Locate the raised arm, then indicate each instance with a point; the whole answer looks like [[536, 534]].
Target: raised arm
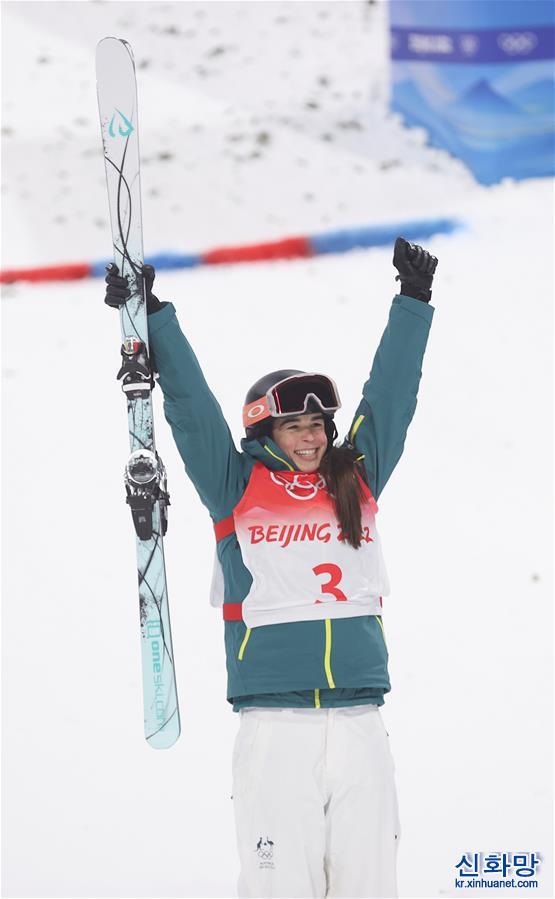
[[200, 430], [381, 421]]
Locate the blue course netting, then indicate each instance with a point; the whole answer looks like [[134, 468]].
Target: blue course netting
[[379, 235]]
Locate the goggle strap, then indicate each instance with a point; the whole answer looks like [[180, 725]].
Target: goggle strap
[[256, 412]]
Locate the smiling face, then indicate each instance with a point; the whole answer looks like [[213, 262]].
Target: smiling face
[[303, 438]]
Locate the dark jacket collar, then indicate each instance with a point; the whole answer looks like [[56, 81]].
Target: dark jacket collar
[[267, 452]]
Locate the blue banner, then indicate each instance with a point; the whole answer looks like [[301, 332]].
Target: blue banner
[[478, 75], [485, 45]]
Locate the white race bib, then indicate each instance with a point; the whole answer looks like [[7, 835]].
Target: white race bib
[[291, 542]]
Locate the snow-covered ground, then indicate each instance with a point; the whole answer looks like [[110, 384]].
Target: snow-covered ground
[[260, 120]]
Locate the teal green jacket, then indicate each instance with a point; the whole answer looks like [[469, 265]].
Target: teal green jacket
[[304, 663]]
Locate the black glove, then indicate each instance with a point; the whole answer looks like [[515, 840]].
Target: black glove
[[117, 292], [416, 269]]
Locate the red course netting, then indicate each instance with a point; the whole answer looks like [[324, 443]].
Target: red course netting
[[69, 272], [288, 248]]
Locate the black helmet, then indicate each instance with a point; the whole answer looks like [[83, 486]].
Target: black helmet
[[302, 391]]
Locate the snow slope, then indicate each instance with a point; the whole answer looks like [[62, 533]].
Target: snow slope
[[260, 120]]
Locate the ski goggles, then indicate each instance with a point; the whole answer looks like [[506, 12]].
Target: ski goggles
[[292, 396]]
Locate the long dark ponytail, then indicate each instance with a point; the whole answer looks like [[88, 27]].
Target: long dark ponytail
[[342, 474]]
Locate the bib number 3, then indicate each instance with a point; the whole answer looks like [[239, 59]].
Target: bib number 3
[[331, 586]]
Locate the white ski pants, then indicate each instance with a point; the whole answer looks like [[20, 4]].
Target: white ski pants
[[315, 804]]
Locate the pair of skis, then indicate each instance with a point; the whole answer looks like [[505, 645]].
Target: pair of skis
[[145, 477]]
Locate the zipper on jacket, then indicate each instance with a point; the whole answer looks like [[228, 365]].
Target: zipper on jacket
[[268, 450], [244, 644], [327, 654]]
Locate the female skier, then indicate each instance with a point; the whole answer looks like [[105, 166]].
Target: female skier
[[301, 576]]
